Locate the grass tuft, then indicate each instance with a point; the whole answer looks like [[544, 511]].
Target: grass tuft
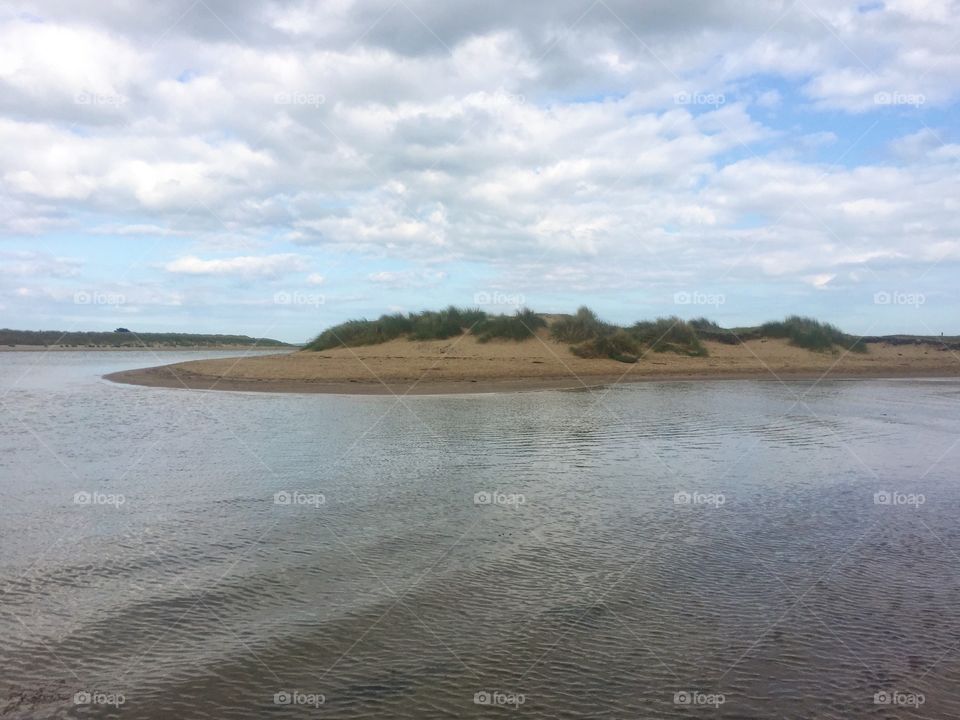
[[618, 345], [811, 334], [509, 327], [669, 335], [580, 327]]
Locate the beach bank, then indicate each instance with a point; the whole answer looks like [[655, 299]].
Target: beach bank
[[465, 365]]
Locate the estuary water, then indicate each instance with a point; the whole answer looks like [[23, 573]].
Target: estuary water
[[737, 549]]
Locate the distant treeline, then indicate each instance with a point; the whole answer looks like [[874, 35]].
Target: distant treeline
[[126, 338], [587, 335]]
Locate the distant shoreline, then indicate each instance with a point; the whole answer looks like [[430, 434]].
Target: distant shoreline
[[135, 348], [126, 339], [464, 365]]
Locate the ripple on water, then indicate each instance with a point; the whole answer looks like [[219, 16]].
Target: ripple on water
[[400, 596]]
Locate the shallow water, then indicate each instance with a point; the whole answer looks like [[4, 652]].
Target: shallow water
[[776, 586]]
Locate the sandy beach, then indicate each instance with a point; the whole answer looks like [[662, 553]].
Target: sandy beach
[[464, 365]]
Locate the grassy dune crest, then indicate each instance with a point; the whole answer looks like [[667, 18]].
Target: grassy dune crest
[[430, 325], [509, 327], [587, 335], [799, 331]]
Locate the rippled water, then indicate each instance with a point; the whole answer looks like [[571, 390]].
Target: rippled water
[[774, 582]]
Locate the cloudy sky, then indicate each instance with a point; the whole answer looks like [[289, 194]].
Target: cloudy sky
[[272, 167]]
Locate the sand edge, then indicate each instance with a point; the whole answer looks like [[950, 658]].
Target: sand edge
[[163, 376]]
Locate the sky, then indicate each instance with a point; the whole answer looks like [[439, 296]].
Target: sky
[[271, 168]]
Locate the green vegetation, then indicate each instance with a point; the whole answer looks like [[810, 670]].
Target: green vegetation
[[427, 325], [578, 328], [430, 325], [354, 333], [587, 335], [592, 338], [799, 331], [811, 334], [445, 324], [128, 339], [617, 345], [669, 335], [509, 327]]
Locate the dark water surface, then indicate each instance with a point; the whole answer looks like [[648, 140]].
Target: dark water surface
[[441, 556]]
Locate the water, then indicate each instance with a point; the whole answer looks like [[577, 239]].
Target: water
[[587, 587]]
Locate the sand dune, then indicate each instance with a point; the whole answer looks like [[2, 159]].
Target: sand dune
[[464, 365]]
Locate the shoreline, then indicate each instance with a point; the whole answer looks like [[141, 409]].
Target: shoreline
[[465, 365], [163, 377]]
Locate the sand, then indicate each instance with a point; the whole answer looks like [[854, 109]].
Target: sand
[[463, 365]]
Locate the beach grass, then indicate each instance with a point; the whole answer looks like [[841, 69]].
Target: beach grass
[[520, 326], [670, 334], [591, 337], [811, 334], [587, 335], [430, 325], [584, 325]]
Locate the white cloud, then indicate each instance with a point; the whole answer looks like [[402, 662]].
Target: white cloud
[[818, 139], [820, 281], [769, 99], [408, 278], [143, 229], [243, 266], [28, 263], [497, 134]]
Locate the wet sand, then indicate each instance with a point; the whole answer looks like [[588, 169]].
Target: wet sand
[[463, 365]]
